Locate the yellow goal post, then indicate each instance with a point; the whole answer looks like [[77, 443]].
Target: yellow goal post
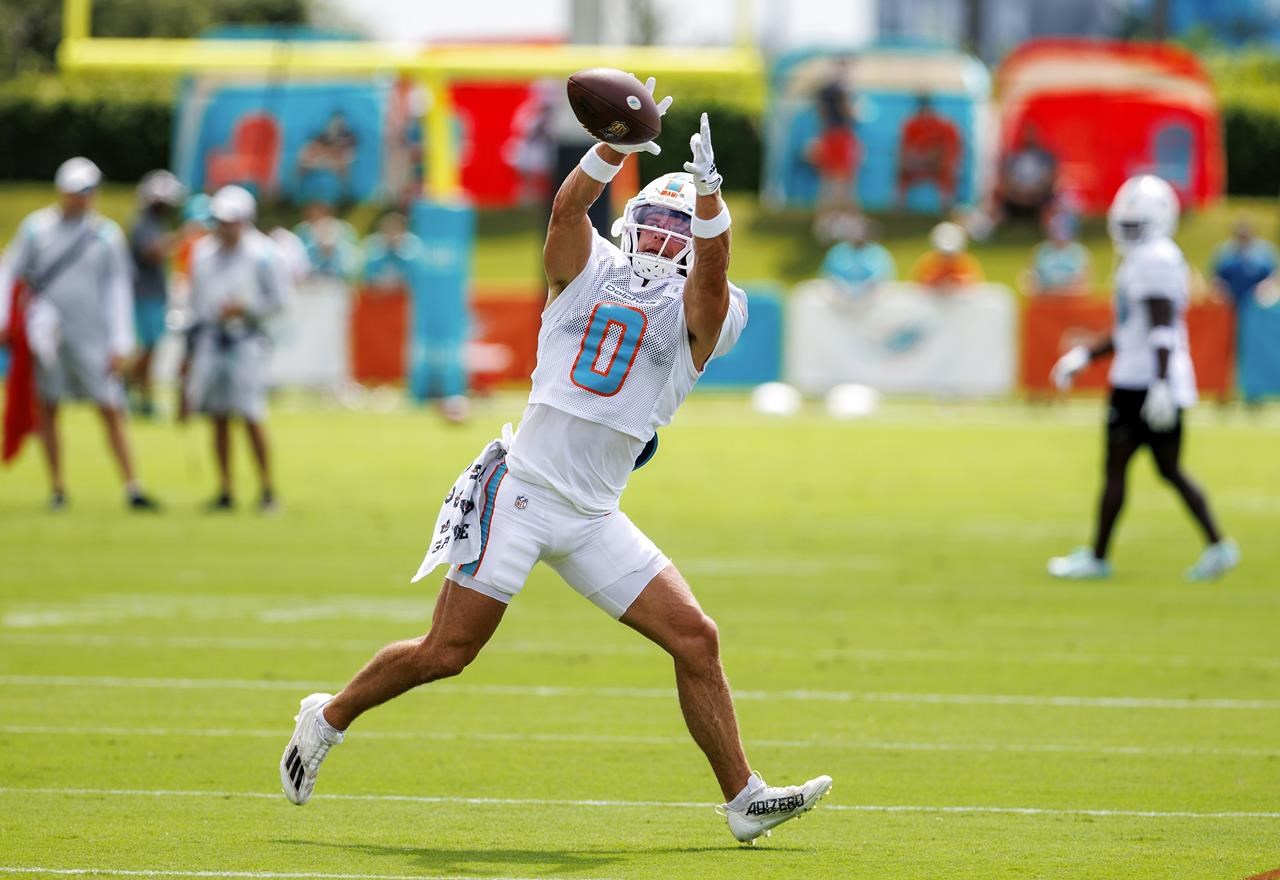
[[738, 71]]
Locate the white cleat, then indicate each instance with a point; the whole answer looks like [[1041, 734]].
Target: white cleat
[[306, 750], [1079, 565], [769, 806], [1216, 560]]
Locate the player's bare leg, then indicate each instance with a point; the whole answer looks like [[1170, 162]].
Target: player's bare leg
[[262, 457], [461, 624], [667, 613], [50, 442], [113, 421], [222, 453]]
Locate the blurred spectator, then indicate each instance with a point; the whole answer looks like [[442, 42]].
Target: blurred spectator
[[324, 162], [151, 243], [331, 243], [530, 151], [929, 151], [294, 258], [1028, 179], [1060, 265], [196, 223], [1243, 268], [237, 284], [1242, 263], [948, 265], [835, 153], [856, 263], [76, 318], [393, 255]]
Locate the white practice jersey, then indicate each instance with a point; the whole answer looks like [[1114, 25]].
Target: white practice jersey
[[614, 364], [1151, 270], [91, 287], [251, 275]]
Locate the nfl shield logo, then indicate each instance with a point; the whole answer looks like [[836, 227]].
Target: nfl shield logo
[[521, 502]]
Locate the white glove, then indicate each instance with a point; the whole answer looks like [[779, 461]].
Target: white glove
[[647, 146], [706, 179], [1159, 410], [1064, 371]]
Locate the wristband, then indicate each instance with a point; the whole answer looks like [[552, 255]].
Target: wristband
[[1163, 336], [596, 168], [717, 225]]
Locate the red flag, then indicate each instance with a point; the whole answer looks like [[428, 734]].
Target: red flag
[[20, 412]]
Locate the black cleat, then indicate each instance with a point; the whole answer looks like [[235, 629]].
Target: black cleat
[[221, 504], [143, 503]]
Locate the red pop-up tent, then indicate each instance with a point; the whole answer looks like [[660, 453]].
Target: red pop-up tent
[[1108, 110]]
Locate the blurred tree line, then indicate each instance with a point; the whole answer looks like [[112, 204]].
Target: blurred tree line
[[31, 29]]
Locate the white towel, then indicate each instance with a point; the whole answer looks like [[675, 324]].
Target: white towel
[[456, 538], [44, 330]]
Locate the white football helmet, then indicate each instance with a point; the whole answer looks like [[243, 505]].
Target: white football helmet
[[1145, 208], [664, 207]]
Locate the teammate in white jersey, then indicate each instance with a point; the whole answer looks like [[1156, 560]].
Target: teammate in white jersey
[[625, 334], [79, 316], [1152, 379]]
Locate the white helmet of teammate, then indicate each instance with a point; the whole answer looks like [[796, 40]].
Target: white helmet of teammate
[[665, 208], [1145, 208]]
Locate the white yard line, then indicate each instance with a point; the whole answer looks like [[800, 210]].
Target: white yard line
[[1179, 751], [667, 805], [804, 696], [876, 655]]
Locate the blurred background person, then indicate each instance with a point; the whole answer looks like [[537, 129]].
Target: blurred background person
[[949, 265], [1027, 181], [393, 255], [835, 153], [1059, 265], [152, 242], [856, 263], [237, 284], [331, 242], [929, 151], [79, 317], [1241, 265]]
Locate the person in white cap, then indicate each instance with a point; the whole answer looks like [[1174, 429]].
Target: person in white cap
[[237, 283], [1152, 378], [151, 241], [75, 265]]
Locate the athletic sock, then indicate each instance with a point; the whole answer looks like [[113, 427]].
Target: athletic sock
[[754, 784], [328, 732]]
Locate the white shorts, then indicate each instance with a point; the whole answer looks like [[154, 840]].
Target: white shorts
[[602, 556]]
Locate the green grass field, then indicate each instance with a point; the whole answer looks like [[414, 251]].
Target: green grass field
[[884, 615]]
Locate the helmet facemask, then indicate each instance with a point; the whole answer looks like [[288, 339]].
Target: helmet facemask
[[659, 219]]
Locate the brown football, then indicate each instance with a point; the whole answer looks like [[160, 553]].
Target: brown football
[[613, 106]]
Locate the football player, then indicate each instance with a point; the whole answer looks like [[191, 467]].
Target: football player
[[1152, 379], [626, 332]]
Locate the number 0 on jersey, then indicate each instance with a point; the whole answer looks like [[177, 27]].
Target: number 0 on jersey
[[609, 348]]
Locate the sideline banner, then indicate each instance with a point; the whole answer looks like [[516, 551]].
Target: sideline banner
[[309, 341], [902, 338], [1053, 324]]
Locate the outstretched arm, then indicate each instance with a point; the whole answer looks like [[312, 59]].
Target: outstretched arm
[[568, 245], [706, 294], [569, 233]]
